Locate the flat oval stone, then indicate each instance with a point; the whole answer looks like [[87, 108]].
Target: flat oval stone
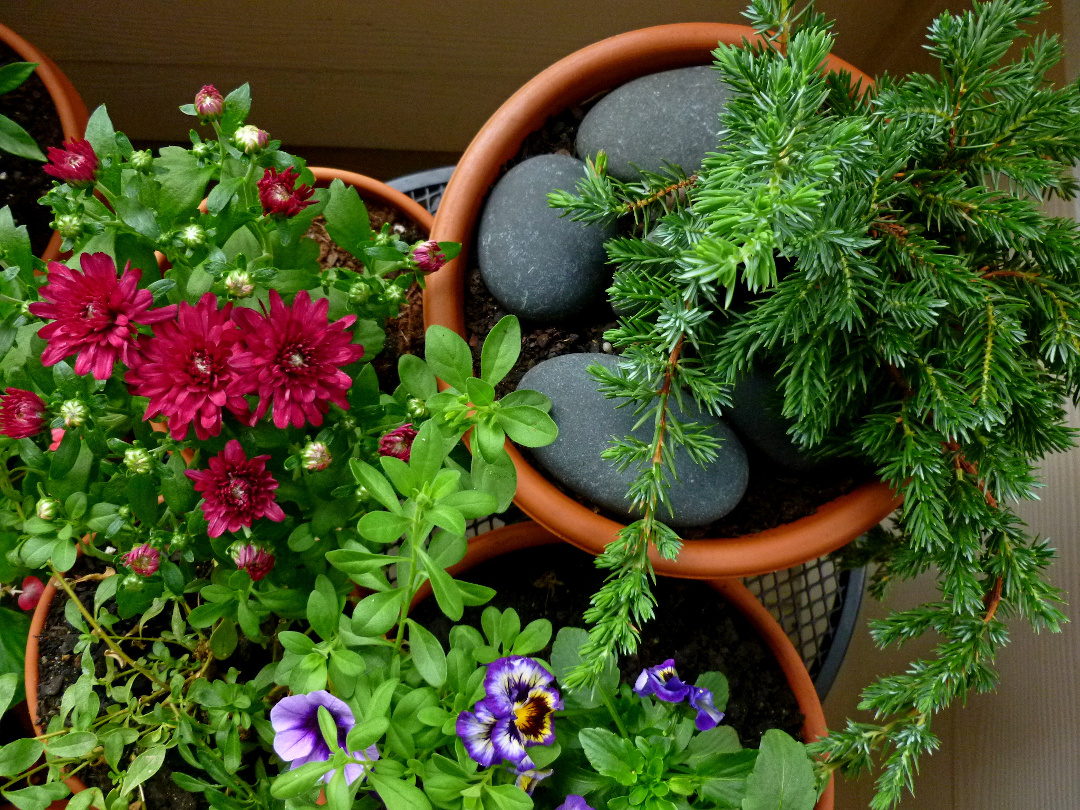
[[756, 413], [587, 422], [537, 264], [671, 116]]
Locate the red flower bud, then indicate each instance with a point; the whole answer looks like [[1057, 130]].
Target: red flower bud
[[398, 442], [209, 103], [32, 588], [22, 413], [428, 257], [75, 164]]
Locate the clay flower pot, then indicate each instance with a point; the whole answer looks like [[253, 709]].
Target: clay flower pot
[[371, 190], [525, 535], [69, 105], [597, 68]]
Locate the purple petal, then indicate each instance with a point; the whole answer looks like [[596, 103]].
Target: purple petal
[[294, 743], [663, 682], [707, 714], [507, 741], [475, 731], [509, 680], [574, 802]]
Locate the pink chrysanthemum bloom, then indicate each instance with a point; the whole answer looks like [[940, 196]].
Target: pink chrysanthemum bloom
[[22, 413], [237, 490], [75, 164], [186, 371], [94, 314], [294, 357], [254, 559], [398, 442], [279, 195], [143, 560], [428, 257], [209, 103]]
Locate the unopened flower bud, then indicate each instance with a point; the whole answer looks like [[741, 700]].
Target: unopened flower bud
[[251, 139], [238, 284], [359, 292], [132, 582], [192, 235], [74, 413], [428, 257], [415, 408], [362, 493], [398, 442], [47, 508], [315, 456], [394, 294], [32, 588], [69, 226], [143, 559], [138, 461], [256, 560], [203, 150], [124, 512], [209, 104], [141, 160]]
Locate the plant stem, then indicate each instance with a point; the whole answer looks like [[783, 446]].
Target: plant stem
[[604, 696], [100, 632]]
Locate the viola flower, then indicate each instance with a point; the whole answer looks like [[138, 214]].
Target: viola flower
[[428, 257], [529, 778], [476, 729], [32, 588], [186, 370], [143, 559], [94, 314], [209, 104], [254, 559], [574, 802], [279, 195], [75, 164], [663, 682], [298, 738], [398, 442], [293, 359], [236, 490], [518, 694], [22, 413], [707, 714]]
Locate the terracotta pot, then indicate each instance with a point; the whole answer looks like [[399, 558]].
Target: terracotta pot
[[580, 76], [518, 536], [69, 104], [372, 190]]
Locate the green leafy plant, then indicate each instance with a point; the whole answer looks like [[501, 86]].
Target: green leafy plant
[[13, 138], [882, 250]]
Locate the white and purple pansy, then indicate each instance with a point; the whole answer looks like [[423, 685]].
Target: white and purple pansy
[[662, 682], [298, 739], [529, 778], [516, 712]]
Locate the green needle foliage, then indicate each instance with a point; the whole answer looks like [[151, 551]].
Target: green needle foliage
[[882, 249]]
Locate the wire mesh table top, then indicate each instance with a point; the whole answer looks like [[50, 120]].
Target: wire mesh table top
[[816, 603]]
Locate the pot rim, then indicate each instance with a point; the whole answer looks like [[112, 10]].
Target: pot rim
[[70, 107], [574, 79], [529, 534], [376, 188]]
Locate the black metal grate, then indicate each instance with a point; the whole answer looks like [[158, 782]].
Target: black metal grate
[[816, 603]]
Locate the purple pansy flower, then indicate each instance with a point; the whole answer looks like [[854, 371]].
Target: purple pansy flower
[[707, 714], [298, 739], [515, 713], [663, 682], [574, 802], [529, 778], [475, 729]]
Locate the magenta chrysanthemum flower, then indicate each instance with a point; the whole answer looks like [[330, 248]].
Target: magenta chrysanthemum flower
[[398, 442], [22, 413], [143, 559], [75, 164], [428, 257], [254, 559], [186, 370], [237, 490], [209, 103], [279, 195], [94, 314], [294, 357]]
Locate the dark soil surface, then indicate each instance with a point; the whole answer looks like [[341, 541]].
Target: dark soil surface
[[22, 181], [774, 496], [404, 334], [693, 625], [60, 667]]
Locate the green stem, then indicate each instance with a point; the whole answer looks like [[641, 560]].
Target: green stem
[[604, 696], [410, 586], [100, 632]]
